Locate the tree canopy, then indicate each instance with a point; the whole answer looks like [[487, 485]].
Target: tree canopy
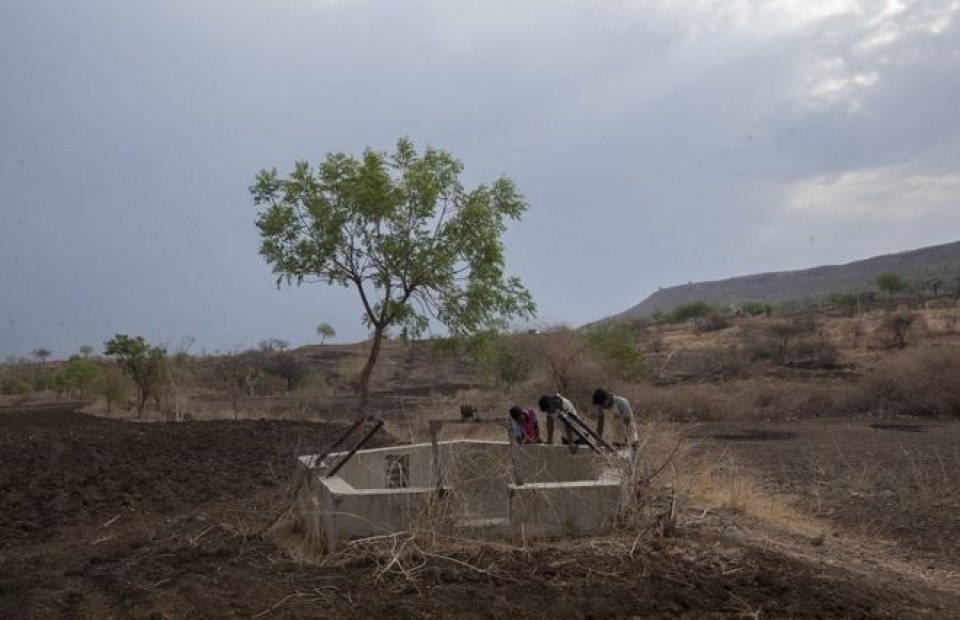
[[891, 283], [141, 362], [403, 232]]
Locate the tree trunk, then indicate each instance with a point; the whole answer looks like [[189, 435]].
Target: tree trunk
[[368, 367], [141, 403]]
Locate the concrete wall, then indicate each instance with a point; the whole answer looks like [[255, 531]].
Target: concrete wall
[[553, 509], [563, 493], [340, 512]]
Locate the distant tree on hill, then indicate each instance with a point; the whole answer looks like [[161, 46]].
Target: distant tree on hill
[[897, 325], [273, 344], [139, 361], [891, 283], [400, 229], [502, 358], [934, 284], [756, 308], [692, 310], [86, 350], [325, 330], [41, 354], [845, 303], [615, 346], [288, 367]]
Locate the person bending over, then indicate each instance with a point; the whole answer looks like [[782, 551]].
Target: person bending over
[[603, 400], [552, 404], [526, 427]]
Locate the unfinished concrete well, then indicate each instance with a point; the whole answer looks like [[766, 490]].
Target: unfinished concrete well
[[490, 488]]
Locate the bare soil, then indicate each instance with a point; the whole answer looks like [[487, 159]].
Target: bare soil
[[107, 518]]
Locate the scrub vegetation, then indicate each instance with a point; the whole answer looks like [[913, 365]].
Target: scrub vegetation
[[796, 462]]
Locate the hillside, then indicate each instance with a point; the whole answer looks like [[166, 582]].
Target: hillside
[[939, 260]]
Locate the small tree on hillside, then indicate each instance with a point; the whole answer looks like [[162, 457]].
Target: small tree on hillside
[[845, 303], [325, 330], [615, 346], [692, 310], [80, 375], [891, 283], [502, 358], [139, 361], [288, 367], [86, 350], [41, 354], [403, 232], [896, 326]]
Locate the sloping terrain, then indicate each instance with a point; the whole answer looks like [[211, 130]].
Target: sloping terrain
[[940, 260]]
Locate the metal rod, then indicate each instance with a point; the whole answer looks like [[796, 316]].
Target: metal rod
[[338, 441], [376, 427]]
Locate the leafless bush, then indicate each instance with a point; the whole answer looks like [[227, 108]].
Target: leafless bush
[[700, 365], [895, 328], [915, 382], [710, 323], [563, 362], [753, 400]]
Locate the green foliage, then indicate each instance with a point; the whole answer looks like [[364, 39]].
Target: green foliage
[[403, 232], [845, 303], [500, 358], [80, 374], [756, 308], [112, 386], [86, 350], [614, 344], [891, 283], [842, 300], [325, 330], [692, 310], [139, 361]]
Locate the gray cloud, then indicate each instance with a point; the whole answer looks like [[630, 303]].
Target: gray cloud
[[657, 143]]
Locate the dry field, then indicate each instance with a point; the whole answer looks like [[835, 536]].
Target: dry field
[[800, 491]]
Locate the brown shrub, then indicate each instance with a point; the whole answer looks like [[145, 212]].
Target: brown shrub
[[921, 381], [753, 400]]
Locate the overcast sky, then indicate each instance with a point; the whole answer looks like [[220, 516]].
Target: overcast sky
[[657, 141]]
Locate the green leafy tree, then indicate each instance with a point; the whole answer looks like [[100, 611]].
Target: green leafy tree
[[501, 358], [403, 232], [141, 362], [891, 283], [615, 346], [692, 310], [846, 303], [325, 330], [80, 375], [113, 386], [756, 308], [86, 350]]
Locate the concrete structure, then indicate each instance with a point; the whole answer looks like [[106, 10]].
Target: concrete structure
[[487, 487]]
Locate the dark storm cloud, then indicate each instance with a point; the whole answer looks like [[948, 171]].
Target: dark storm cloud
[[657, 142]]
